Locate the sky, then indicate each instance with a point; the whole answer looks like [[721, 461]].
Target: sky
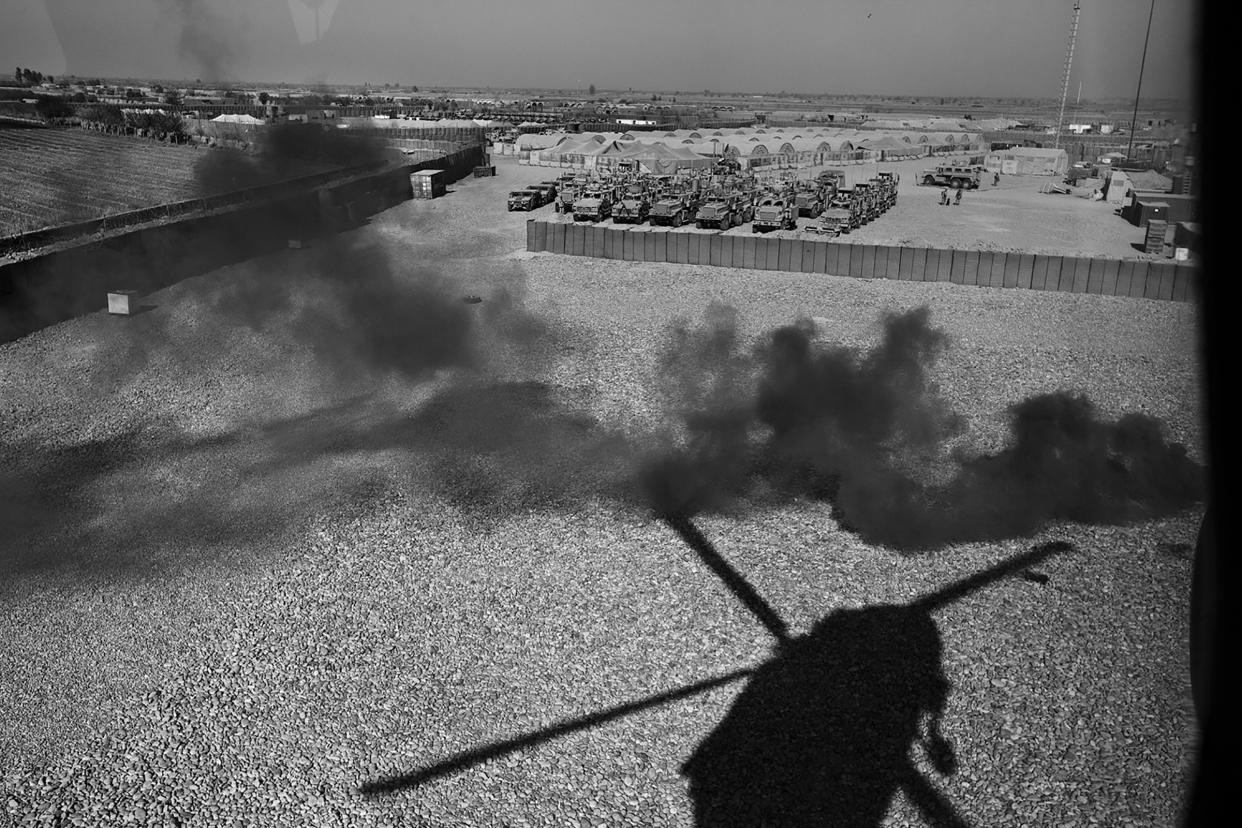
[[951, 48]]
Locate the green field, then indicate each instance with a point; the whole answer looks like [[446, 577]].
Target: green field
[[52, 177]]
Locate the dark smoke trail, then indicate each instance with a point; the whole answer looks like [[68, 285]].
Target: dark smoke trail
[[206, 37], [867, 432]]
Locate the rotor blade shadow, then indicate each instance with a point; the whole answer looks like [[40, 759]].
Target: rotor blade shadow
[[471, 758], [738, 585], [937, 811], [960, 589]]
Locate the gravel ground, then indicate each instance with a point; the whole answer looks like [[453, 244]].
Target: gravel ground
[[1013, 216], [326, 620]]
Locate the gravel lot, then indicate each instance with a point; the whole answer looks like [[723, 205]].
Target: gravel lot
[[235, 596], [1011, 216]]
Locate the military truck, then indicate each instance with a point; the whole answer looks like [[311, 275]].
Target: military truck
[[847, 201], [673, 210], [833, 222], [809, 201], [722, 211], [594, 204], [774, 213], [548, 189], [949, 175], [633, 206], [528, 199]]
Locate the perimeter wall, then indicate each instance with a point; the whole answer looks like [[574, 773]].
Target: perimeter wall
[[1175, 281]]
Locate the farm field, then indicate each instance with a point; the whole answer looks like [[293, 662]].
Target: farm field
[[50, 177], [276, 541]]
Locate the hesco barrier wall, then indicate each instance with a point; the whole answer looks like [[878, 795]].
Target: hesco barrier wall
[[1071, 274]]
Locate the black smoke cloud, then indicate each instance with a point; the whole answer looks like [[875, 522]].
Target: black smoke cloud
[[867, 432], [208, 38], [317, 365], [287, 150]]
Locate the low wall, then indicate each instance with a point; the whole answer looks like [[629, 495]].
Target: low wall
[[63, 283], [1173, 281]]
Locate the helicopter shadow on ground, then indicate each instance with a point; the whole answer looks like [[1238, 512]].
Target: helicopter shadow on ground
[[825, 731], [822, 734]]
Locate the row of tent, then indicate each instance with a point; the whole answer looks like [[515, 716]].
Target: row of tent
[[772, 140], [749, 147]]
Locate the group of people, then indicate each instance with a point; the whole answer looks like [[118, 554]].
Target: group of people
[[957, 196]]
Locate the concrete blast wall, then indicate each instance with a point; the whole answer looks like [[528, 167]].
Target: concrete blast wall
[[1175, 281]]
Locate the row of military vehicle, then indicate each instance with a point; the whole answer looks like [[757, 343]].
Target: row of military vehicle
[[716, 202], [852, 207]]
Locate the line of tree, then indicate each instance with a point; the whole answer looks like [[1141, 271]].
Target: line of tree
[[29, 77], [155, 124]]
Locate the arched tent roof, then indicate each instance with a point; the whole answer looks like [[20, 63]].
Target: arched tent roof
[[670, 135], [695, 135]]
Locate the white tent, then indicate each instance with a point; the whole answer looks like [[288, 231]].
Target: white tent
[[237, 119]]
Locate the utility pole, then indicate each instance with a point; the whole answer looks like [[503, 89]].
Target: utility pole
[[1065, 76], [1133, 121]]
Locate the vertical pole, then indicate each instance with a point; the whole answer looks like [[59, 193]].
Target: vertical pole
[[1134, 120]]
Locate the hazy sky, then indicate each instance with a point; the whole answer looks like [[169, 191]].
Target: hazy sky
[[915, 47]]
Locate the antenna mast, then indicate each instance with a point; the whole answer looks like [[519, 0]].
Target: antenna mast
[[1065, 78]]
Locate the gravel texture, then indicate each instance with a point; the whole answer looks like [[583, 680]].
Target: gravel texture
[[325, 620]]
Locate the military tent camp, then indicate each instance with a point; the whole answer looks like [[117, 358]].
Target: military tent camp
[[1028, 161]]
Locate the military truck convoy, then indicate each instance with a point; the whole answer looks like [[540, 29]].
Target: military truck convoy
[[717, 199]]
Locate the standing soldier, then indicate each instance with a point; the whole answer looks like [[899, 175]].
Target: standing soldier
[[996, 179], [957, 197], [944, 196]]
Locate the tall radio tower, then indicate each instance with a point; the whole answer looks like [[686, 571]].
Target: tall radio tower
[[1065, 78]]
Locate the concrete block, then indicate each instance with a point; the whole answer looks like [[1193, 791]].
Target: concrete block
[[866, 265], [714, 250], [1081, 274], [784, 254], [807, 257], [557, 241], [627, 246], [892, 269], [905, 261], [1183, 283], [748, 252], [1138, 279], [122, 302], [1164, 274], [1026, 266], [856, 259], [1108, 277], [1095, 276], [773, 254], [819, 263], [1055, 268], [1125, 275], [1000, 261], [919, 265], [649, 247], [969, 273], [879, 264], [694, 252], [944, 266], [660, 254], [681, 246]]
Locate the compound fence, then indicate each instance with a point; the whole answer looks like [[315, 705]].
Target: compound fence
[[1175, 281]]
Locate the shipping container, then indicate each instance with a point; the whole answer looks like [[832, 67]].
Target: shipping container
[[428, 183]]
